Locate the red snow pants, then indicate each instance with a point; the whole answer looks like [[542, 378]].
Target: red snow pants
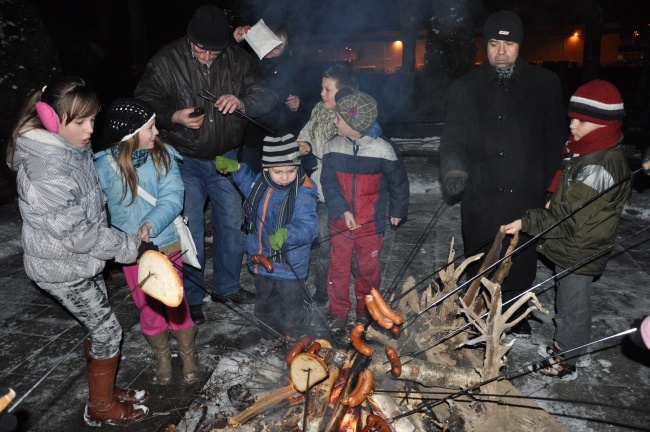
[[343, 248]]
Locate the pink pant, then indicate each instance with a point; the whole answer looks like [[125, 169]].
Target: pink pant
[[366, 249], [152, 311]]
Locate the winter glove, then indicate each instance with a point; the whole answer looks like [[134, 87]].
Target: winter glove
[[225, 165], [145, 246], [646, 161], [455, 186], [277, 240]]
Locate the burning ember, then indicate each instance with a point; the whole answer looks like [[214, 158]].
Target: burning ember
[[350, 421]]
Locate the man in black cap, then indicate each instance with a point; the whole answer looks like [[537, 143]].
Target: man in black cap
[[501, 145], [176, 80]]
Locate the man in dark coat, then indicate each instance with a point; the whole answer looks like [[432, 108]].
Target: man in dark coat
[[501, 144], [173, 84]]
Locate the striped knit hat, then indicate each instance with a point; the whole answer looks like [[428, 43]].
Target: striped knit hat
[[280, 151], [597, 102]]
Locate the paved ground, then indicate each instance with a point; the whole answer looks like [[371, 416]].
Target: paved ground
[[38, 336]]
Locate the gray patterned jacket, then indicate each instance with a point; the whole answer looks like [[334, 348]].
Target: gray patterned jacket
[[65, 234]]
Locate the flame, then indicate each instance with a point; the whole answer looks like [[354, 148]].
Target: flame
[[350, 420]]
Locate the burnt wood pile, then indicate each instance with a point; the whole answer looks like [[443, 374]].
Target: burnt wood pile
[[412, 367]]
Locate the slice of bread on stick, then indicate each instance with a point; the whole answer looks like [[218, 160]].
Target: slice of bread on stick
[[163, 284]]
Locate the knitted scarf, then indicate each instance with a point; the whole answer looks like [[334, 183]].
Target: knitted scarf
[[139, 156], [599, 139], [505, 73], [254, 198]]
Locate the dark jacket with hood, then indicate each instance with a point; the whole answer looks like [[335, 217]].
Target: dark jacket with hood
[[505, 136], [592, 228], [174, 80]]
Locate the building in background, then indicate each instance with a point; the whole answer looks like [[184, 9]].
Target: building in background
[[382, 51]]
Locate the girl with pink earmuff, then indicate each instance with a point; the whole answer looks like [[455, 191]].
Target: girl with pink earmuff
[[66, 238]]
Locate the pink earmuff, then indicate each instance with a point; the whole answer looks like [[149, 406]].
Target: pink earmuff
[[48, 117]]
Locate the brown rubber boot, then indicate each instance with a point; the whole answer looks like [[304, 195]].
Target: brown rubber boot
[[102, 406], [185, 339], [123, 395], [160, 345]]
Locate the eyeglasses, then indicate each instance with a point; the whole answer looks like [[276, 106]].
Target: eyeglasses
[[199, 52]]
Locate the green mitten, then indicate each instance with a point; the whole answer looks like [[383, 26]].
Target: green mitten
[[277, 240], [225, 165]]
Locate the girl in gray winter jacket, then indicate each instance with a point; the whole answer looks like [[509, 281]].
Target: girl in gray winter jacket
[[65, 235]]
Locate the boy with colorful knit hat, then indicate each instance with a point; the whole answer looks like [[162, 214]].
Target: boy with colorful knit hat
[[593, 161], [362, 177], [280, 218]]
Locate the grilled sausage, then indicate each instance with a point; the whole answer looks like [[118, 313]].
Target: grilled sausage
[[376, 314], [263, 261], [395, 362], [374, 422], [298, 348], [361, 391], [357, 343], [314, 348], [385, 309], [396, 331]]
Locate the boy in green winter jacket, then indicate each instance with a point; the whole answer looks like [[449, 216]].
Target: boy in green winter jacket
[[593, 161]]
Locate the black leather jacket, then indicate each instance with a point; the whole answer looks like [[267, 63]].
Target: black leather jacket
[[174, 80]]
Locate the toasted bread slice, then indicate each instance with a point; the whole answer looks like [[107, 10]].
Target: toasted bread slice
[[305, 366], [164, 283]]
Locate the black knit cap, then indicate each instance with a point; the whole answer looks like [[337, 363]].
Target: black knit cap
[[503, 25], [209, 29], [125, 118]]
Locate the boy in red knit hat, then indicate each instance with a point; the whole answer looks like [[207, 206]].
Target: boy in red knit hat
[[593, 161]]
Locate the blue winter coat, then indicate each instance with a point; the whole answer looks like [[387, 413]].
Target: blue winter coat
[[168, 192], [302, 229]]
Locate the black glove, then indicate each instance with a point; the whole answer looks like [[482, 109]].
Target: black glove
[[645, 160], [455, 186], [145, 246]]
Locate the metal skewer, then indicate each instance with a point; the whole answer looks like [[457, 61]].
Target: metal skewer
[[239, 113]]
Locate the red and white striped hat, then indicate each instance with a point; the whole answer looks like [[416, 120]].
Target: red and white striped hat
[[597, 102]]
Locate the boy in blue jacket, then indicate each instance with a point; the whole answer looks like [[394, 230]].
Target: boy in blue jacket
[[280, 217]]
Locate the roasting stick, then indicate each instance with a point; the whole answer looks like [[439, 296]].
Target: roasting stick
[[414, 317], [478, 396], [393, 284], [243, 311], [76, 346], [577, 265], [304, 414], [238, 112], [528, 367]]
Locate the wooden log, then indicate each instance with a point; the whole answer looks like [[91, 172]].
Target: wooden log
[[306, 371], [432, 374], [319, 398], [273, 398], [385, 406]]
